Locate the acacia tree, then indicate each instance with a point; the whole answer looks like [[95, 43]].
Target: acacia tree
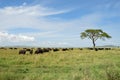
[[94, 34]]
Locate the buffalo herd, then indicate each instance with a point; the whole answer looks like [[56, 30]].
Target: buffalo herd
[[44, 50], [96, 49]]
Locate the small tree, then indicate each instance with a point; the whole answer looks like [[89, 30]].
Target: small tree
[[94, 34]]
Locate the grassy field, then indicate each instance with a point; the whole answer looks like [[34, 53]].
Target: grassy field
[[68, 65]]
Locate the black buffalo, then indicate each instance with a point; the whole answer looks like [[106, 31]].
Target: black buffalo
[[31, 51], [27, 49], [10, 48], [81, 48], [46, 49], [15, 48], [55, 49], [22, 51], [39, 51], [64, 49]]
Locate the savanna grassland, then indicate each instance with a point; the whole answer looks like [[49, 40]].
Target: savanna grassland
[[61, 65]]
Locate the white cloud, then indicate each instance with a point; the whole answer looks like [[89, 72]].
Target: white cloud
[[48, 34], [4, 36], [36, 10], [29, 16], [34, 17]]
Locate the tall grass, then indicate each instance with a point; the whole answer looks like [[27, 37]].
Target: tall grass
[[68, 65]]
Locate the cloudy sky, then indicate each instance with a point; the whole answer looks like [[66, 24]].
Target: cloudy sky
[[57, 23]]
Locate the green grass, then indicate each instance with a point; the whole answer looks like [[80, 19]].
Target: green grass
[[69, 65]]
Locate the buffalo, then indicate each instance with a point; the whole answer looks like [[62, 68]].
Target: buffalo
[[81, 48], [55, 49], [27, 49], [3, 48], [64, 49], [15, 48], [10, 48], [107, 48], [39, 51], [46, 49], [22, 51], [31, 51]]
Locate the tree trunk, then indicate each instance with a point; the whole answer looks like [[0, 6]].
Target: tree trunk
[[94, 44]]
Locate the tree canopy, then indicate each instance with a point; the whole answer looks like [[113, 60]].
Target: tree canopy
[[94, 34]]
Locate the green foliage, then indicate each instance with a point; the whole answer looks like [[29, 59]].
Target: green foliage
[[94, 34]]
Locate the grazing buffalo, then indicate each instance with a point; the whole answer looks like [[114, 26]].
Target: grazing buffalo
[[81, 48], [3, 48], [22, 51], [70, 48], [31, 51], [64, 49], [107, 48], [90, 48], [96, 49], [39, 51], [46, 50], [15, 48], [55, 49], [100, 48], [10, 48], [28, 49]]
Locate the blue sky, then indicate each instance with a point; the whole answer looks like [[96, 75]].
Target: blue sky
[[57, 23]]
